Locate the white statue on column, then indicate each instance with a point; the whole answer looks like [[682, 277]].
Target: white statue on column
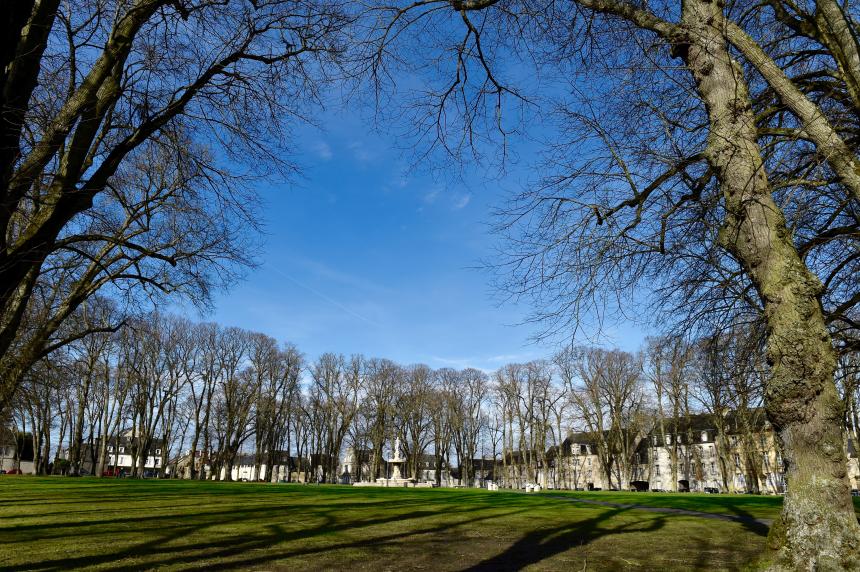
[[396, 460]]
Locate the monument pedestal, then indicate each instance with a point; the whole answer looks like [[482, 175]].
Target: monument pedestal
[[396, 479]]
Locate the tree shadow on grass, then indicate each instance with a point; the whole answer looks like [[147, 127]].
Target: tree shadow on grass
[[541, 544], [274, 530], [258, 545], [249, 555], [237, 512], [738, 514]]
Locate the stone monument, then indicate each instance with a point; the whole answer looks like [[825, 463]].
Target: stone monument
[[396, 461]]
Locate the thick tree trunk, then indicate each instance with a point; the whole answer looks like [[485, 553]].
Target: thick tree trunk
[[818, 528]]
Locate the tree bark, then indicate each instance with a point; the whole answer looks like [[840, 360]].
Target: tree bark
[[818, 528]]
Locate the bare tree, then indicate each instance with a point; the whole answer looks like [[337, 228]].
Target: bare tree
[[334, 394], [115, 115], [467, 418], [416, 419], [234, 397], [440, 402], [727, 183], [667, 367], [279, 371], [382, 381], [606, 387]]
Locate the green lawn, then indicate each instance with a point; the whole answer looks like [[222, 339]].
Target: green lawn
[[58, 524], [741, 506], [752, 506]]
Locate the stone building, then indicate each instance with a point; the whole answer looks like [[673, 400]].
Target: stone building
[[16, 451], [733, 453]]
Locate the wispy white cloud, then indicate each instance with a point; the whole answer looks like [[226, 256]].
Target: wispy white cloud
[[323, 151], [511, 358], [453, 362], [324, 297], [361, 153], [431, 196], [462, 202], [396, 184], [483, 363], [323, 271]]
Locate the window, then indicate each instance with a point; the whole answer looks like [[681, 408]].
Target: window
[[157, 462], [704, 436], [668, 439], [158, 451], [122, 449]]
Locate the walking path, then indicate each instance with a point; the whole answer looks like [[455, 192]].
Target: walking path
[[663, 509]]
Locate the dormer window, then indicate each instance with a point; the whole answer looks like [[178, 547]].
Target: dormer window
[[704, 436], [668, 439]]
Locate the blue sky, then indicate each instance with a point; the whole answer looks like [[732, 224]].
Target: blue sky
[[364, 255]]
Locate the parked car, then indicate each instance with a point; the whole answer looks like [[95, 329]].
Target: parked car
[[14, 472], [712, 490], [855, 493]]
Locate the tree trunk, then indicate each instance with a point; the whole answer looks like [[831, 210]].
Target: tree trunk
[[818, 528]]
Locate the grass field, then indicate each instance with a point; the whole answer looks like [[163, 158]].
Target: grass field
[[59, 524], [742, 506]]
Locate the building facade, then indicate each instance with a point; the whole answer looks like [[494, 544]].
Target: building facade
[[16, 452], [690, 455]]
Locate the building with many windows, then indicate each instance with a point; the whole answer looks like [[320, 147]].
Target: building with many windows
[[122, 452], [701, 453]]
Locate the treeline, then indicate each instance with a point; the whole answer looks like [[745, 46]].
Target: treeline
[[214, 391]]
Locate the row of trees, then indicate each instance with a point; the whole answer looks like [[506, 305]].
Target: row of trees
[[213, 391]]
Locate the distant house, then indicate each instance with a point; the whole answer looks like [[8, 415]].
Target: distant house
[[355, 466], [697, 467], [122, 452], [179, 467], [853, 463], [245, 468], [574, 465], [426, 469], [16, 451]]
